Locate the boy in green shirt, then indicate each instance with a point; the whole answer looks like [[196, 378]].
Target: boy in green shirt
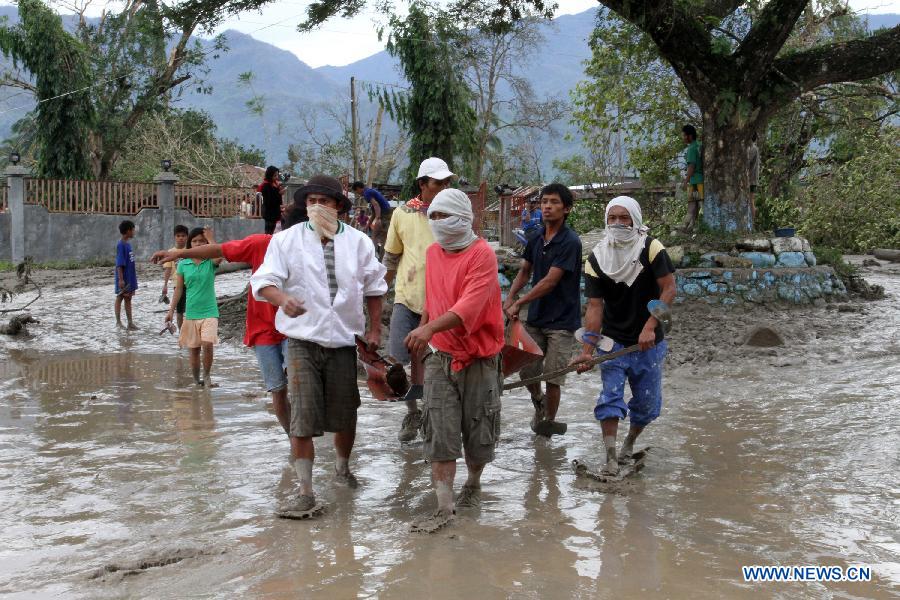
[[195, 278], [693, 178]]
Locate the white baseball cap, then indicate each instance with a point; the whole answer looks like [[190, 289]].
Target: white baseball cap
[[434, 168]]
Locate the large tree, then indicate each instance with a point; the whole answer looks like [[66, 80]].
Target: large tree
[[95, 79], [736, 69], [731, 57], [436, 111]]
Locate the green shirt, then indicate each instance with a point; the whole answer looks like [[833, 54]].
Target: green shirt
[[692, 157], [199, 285]]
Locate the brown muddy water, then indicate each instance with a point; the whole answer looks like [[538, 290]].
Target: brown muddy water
[[117, 482]]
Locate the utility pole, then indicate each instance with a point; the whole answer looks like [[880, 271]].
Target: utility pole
[[373, 150], [354, 124]]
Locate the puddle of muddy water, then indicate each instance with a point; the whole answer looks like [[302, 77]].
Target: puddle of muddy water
[[107, 460]]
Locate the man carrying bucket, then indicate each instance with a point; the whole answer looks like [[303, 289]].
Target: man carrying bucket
[[552, 260]]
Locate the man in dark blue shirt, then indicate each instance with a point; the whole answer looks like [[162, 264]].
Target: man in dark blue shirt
[[552, 260], [381, 211]]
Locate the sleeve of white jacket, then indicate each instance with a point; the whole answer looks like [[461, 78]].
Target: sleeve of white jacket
[[373, 270], [273, 271]]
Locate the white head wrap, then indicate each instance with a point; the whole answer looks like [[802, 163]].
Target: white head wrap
[[618, 252], [454, 232]]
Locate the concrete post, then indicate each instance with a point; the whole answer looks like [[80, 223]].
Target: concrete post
[[15, 179], [165, 197]]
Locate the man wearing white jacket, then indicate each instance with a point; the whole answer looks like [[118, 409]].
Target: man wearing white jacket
[[319, 275]]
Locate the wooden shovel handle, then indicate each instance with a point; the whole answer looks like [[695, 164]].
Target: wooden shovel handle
[[573, 367]]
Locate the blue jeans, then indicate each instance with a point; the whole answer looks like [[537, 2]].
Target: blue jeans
[[271, 359], [403, 320], [643, 371]]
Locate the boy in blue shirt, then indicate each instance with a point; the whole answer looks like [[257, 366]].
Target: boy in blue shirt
[[126, 274]]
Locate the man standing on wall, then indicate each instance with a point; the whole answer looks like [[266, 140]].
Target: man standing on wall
[[552, 260], [693, 177], [408, 237], [381, 211]]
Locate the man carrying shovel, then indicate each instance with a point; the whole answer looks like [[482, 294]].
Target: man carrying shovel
[[626, 270], [552, 260]]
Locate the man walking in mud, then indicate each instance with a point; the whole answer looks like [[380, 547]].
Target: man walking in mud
[[319, 275], [626, 270], [462, 334], [552, 260], [408, 237]]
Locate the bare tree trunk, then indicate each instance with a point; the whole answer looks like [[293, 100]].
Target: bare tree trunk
[[726, 174]]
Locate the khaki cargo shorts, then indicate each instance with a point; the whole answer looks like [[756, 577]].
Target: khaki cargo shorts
[[461, 409], [322, 388], [196, 332], [557, 346]]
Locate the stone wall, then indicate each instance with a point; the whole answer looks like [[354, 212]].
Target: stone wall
[[803, 285], [79, 237]]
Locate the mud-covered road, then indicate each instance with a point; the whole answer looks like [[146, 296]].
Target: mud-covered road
[[117, 480]]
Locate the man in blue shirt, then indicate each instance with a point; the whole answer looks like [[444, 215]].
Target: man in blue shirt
[[531, 218], [381, 209], [552, 260]]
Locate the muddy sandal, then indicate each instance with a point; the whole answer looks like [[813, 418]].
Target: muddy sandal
[[432, 523]]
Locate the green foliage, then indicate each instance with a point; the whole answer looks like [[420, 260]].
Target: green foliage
[[856, 205], [188, 138], [834, 258], [96, 83], [59, 64], [436, 112]]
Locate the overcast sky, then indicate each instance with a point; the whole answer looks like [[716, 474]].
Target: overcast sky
[[342, 41]]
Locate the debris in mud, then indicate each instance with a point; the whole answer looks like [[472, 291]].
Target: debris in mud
[[859, 286], [870, 262], [17, 325], [161, 558], [764, 337], [433, 522], [627, 468]]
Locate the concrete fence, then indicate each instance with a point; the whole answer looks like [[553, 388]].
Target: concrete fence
[[64, 220]]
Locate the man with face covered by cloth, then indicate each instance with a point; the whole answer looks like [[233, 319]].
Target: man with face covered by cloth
[[461, 333], [320, 274], [626, 270]]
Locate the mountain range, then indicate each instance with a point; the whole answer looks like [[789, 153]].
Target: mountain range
[[289, 86]]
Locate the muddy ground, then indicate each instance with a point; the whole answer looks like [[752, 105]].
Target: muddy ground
[[119, 480]]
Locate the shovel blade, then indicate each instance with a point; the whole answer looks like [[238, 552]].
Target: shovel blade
[[520, 349]]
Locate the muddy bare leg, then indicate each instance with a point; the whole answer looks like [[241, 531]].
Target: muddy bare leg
[[207, 363], [628, 446], [409, 429], [551, 404], [610, 428], [118, 311], [470, 495], [343, 446], [442, 475], [282, 409], [131, 324], [195, 364]]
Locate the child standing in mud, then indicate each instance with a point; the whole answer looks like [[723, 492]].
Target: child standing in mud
[[126, 274], [462, 336], [195, 279], [181, 236]]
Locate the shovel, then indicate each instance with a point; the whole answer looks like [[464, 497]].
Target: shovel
[[520, 349], [657, 308], [385, 377]]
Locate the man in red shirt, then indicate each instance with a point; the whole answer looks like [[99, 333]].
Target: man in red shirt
[[462, 335], [259, 331]]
